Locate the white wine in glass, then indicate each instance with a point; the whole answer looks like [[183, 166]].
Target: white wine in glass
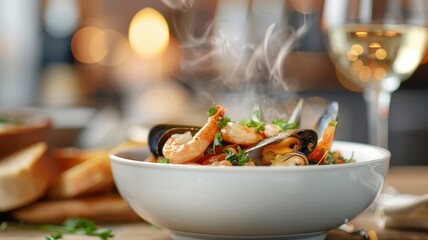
[[376, 44]]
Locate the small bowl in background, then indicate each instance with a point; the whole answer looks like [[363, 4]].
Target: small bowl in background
[[22, 128]]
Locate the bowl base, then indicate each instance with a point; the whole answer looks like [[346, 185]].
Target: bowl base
[[303, 236]]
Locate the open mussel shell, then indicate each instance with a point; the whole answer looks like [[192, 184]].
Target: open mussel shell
[[296, 115], [159, 134], [330, 113], [308, 138], [291, 159]]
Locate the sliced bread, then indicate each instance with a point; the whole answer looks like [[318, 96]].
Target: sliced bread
[[24, 176]]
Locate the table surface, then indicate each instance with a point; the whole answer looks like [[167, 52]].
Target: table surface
[[410, 180]]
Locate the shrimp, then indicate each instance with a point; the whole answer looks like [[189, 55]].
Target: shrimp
[[271, 130], [240, 134], [182, 148], [324, 144]]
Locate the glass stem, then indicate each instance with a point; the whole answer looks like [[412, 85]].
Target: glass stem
[[377, 102]]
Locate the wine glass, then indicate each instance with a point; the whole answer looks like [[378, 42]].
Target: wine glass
[[376, 44]]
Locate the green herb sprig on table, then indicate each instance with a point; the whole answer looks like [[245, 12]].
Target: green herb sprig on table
[[75, 226], [78, 226]]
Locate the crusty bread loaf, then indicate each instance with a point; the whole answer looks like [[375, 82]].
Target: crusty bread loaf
[[92, 175], [101, 208], [66, 158], [24, 176]]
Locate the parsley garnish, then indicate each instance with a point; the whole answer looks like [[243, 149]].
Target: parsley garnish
[[217, 140], [76, 226], [223, 122], [217, 137], [3, 226], [284, 125], [11, 120], [331, 160], [54, 236], [163, 160], [212, 111], [350, 159], [255, 122], [239, 159]]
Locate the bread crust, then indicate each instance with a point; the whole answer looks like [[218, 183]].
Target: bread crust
[[98, 208], [25, 176], [88, 177]]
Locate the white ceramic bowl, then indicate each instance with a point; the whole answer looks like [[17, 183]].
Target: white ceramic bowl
[[206, 202]]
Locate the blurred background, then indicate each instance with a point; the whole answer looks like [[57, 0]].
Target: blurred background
[[103, 69]]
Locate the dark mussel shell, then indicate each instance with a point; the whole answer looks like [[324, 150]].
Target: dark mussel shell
[[330, 113], [308, 137], [159, 134]]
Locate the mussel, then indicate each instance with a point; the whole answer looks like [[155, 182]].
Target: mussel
[[330, 113], [290, 159], [288, 146], [296, 115], [159, 134], [302, 140]]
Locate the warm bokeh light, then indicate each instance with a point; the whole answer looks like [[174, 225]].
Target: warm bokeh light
[[88, 45], [358, 48], [375, 45], [307, 6], [379, 73], [148, 33], [365, 74], [390, 33], [117, 47], [92, 45], [381, 54], [345, 81], [361, 34]]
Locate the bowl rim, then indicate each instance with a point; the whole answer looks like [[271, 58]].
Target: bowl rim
[[384, 156]]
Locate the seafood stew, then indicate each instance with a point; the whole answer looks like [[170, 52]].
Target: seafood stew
[[251, 142]]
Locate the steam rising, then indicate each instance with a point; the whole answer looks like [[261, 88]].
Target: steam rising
[[179, 4], [232, 72]]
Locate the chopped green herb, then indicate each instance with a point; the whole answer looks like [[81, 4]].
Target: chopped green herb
[[333, 123], [11, 120], [255, 122], [239, 159], [212, 111], [350, 159], [223, 122], [54, 236], [217, 140], [3, 226], [312, 162], [329, 158], [334, 160], [256, 116], [78, 226], [163, 160], [284, 125]]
